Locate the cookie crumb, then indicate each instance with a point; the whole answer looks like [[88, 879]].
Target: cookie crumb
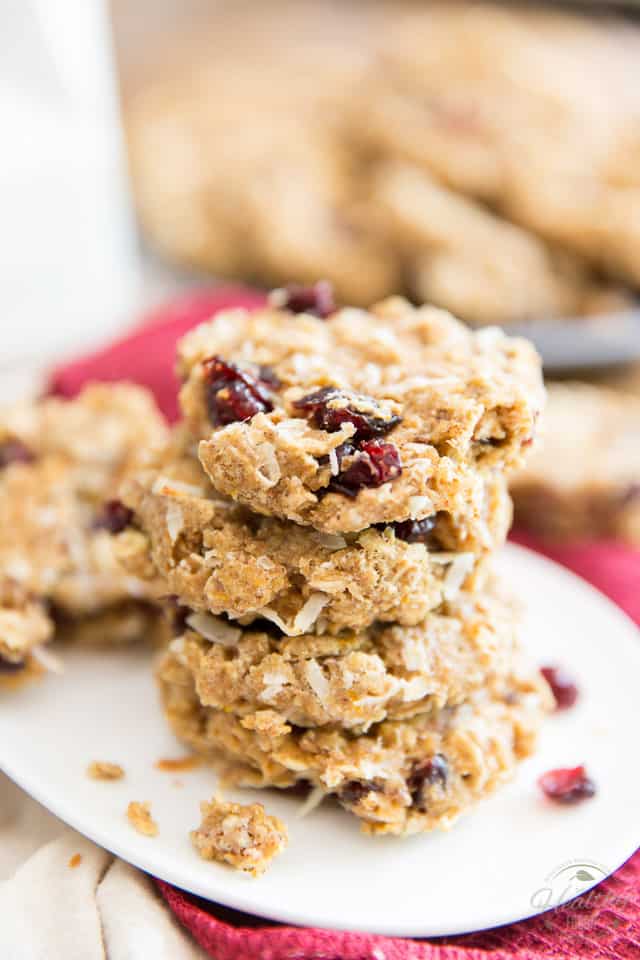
[[100, 770], [139, 816], [243, 836], [178, 764], [75, 861]]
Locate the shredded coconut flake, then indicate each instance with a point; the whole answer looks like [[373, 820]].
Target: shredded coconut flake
[[461, 565], [332, 541], [414, 656], [175, 488], [417, 383], [175, 521], [292, 425], [303, 620], [273, 684], [317, 681], [333, 461], [268, 465], [420, 507], [414, 689], [457, 573], [374, 700], [273, 677], [177, 646], [313, 800], [214, 629], [271, 615], [370, 769]]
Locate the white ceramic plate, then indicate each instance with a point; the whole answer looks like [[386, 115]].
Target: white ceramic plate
[[495, 866]]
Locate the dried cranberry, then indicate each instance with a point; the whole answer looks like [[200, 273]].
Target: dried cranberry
[[371, 464], [301, 789], [562, 686], [354, 790], [329, 408], [567, 785], [434, 772], [232, 394], [415, 531], [14, 451], [113, 516], [11, 666], [317, 299]]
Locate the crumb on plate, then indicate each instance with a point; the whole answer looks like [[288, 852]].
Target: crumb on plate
[[139, 816], [178, 764], [75, 860], [102, 770], [243, 836]]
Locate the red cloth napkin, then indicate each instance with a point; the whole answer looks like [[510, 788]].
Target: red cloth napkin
[[146, 355], [602, 923]]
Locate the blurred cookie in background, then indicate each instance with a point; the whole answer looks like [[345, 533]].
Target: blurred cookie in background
[[469, 154], [510, 104], [583, 480], [239, 163], [459, 254]]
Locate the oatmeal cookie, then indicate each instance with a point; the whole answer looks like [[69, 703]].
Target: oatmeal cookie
[[352, 679], [119, 624], [467, 259], [402, 777], [25, 625], [345, 420], [234, 205], [213, 554], [60, 463], [584, 481], [241, 835]]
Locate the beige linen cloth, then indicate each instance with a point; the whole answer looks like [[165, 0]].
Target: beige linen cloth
[[102, 909]]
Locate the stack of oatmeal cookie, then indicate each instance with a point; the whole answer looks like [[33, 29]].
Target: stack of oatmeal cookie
[[323, 521]]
